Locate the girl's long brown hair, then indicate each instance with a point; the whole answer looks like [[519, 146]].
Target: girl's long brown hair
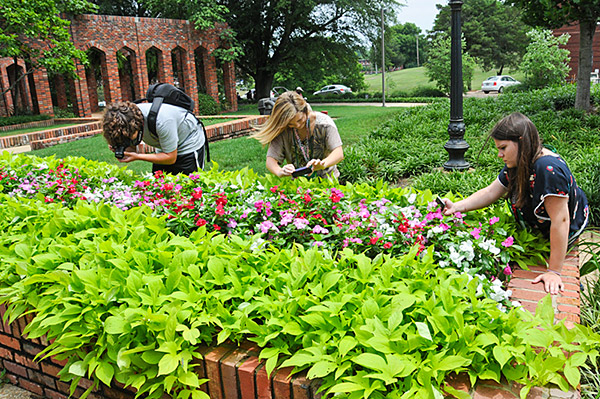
[[519, 128]]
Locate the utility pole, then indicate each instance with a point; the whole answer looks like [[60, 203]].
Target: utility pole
[[417, 36], [382, 60]]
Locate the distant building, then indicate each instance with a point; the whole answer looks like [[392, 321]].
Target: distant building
[[573, 47]]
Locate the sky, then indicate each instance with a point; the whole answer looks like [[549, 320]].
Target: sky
[[420, 12]]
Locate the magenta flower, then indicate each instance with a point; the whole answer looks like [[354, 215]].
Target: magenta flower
[[476, 233], [267, 225], [300, 223], [508, 242], [320, 230], [318, 244], [494, 219], [507, 270]]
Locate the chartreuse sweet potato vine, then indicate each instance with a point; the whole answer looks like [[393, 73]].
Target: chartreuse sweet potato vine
[[124, 299]]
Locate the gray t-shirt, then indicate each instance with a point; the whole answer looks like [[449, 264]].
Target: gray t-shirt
[[177, 129], [324, 139]]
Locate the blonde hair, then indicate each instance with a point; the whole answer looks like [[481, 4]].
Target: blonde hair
[[121, 120], [286, 107]]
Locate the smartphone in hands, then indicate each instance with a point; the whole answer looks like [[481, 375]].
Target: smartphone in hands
[[305, 170], [441, 203]]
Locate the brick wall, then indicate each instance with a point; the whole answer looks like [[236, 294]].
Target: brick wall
[[134, 36], [236, 372], [573, 47]]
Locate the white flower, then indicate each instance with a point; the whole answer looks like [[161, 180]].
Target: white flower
[[467, 248], [455, 256], [412, 198], [488, 245]]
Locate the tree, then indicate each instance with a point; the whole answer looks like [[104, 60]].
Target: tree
[[400, 46], [270, 33], [493, 31], [556, 14], [545, 63], [131, 8], [438, 65], [315, 69], [34, 31]]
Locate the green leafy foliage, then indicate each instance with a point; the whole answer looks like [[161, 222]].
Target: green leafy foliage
[[411, 146], [545, 62], [16, 120], [121, 298], [438, 64]]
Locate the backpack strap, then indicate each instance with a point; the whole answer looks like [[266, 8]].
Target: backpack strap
[[156, 103]]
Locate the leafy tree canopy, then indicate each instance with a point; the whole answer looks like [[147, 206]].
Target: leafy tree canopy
[[494, 32], [439, 63], [400, 46], [131, 8], [556, 14], [34, 31], [271, 33], [314, 71], [545, 63]]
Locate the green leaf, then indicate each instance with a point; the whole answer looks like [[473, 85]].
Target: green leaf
[[370, 360], [502, 355], [423, 330], [452, 362], [115, 325], [346, 344], [456, 393], [78, 368], [573, 375], [190, 379], [105, 373], [321, 369], [544, 310], [168, 364]]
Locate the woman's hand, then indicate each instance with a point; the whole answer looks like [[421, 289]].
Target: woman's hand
[[128, 157], [316, 164], [286, 170], [450, 207], [552, 282]]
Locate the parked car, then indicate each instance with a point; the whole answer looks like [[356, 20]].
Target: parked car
[[333, 89], [594, 78], [277, 91], [498, 83]]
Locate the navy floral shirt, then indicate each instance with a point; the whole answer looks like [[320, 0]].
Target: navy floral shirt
[[550, 176]]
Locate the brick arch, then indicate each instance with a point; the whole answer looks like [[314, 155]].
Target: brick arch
[[154, 53], [96, 77], [128, 74], [110, 34]]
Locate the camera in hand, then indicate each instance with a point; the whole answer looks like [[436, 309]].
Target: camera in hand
[[119, 152], [441, 203], [305, 170]]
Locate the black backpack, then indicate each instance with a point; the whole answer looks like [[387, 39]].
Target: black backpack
[[160, 93]]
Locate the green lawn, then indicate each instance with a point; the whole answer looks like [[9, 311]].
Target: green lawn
[[408, 79], [352, 122]]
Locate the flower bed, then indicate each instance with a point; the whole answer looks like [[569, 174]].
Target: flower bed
[[126, 293]]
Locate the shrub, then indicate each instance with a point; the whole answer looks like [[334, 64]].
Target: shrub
[[412, 145], [64, 112], [19, 119], [207, 105]]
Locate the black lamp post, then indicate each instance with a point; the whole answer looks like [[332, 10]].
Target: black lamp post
[[456, 145]]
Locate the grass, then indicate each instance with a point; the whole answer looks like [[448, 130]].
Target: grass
[[36, 129], [353, 122], [409, 79]]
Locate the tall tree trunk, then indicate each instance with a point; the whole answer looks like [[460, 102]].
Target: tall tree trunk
[[264, 83], [586, 36]]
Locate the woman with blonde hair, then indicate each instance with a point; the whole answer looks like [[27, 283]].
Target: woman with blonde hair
[[301, 137]]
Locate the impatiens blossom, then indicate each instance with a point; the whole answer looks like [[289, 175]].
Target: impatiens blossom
[[508, 242], [494, 219]]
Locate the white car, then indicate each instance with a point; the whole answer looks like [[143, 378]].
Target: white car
[[333, 89], [498, 83]]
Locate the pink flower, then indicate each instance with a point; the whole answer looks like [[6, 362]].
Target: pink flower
[[267, 225], [508, 242], [318, 244], [494, 220], [387, 245], [258, 205], [507, 270], [336, 195], [167, 187], [300, 223], [232, 224], [320, 230], [475, 233]]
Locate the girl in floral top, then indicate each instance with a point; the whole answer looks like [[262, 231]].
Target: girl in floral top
[[300, 137], [541, 189]]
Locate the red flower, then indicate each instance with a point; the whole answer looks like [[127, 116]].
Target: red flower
[[167, 186], [158, 174], [387, 245], [307, 198], [274, 189], [216, 227], [373, 240], [197, 194], [200, 222], [220, 211]]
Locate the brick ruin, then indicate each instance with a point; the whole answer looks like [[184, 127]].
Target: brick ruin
[[126, 55]]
